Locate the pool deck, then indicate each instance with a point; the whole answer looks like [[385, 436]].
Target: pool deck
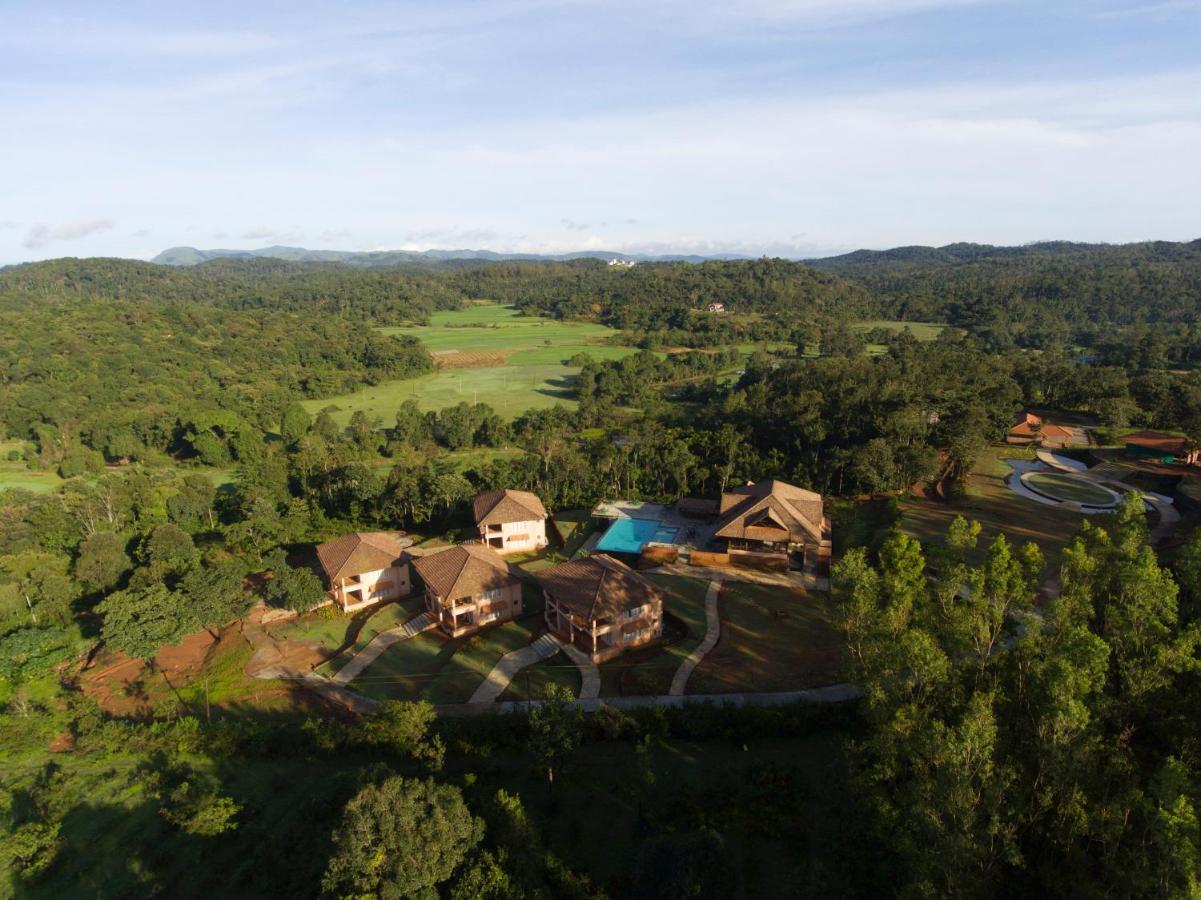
[[666, 516]]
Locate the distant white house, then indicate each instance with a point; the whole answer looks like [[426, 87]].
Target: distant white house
[[717, 307], [624, 263]]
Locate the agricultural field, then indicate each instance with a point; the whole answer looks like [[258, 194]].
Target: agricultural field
[[486, 354]]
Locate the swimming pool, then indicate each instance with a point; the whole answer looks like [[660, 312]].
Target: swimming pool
[[631, 535]]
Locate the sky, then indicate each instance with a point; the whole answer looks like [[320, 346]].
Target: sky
[[785, 127]]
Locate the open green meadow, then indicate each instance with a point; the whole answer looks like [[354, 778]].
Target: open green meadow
[[487, 353], [923, 331]]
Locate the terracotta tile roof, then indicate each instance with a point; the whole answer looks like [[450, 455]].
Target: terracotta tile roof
[[1026, 424], [364, 551], [1058, 431], [597, 586], [500, 507], [465, 570], [770, 511], [1156, 440]]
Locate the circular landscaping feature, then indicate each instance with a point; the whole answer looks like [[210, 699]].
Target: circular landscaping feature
[[1069, 489]]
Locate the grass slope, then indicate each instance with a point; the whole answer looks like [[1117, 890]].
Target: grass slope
[[772, 639]]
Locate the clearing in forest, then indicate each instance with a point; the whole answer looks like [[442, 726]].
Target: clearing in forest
[[486, 353]]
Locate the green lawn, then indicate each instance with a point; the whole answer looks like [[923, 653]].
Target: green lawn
[[513, 363], [533, 683], [923, 331], [388, 616], [331, 628], [1065, 487], [18, 475], [998, 509], [439, 669], [772, 639]]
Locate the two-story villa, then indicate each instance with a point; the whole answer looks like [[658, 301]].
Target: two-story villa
[[601, 605], [365, 568], [468, 587], [511, 521]]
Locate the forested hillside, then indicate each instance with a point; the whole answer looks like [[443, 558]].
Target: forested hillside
[[1040, 295]]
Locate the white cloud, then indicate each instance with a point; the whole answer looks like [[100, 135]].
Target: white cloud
[[40, 235]]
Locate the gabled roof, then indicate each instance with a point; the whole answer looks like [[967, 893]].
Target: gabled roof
[[364, 551], [597, 586], [1061, 431], [1026, 424], [770, 511], [465, 570], [499, 507]]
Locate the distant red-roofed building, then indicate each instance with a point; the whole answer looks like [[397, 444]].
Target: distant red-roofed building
[[1025, 429]]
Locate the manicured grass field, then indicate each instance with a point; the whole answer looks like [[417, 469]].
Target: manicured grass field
[[439, 669], [387, 617], [18, 475], [990, 501], [490, 354], [772, 639], [534, 682], [923, 331], [1065, 487]]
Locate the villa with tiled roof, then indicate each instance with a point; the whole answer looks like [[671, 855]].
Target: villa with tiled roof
[[468, 587], [772, 518], [365, 568], [510, 521], [601, 605]]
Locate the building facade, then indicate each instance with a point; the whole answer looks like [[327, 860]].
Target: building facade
[[365, 568], [601, 605], [511, 521], [469, 587]]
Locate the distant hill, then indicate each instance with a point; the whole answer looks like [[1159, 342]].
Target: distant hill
[[868, 263], [191, 256]]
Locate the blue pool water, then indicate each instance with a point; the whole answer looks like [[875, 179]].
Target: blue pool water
[[630, 535]]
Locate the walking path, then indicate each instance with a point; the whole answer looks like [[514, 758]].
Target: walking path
[[712, 632], [270, 661], [380, 643], [835, 693], [512, 663], [590, 683]]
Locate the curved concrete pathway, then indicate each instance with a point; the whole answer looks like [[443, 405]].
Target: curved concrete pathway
[[381, 642], [712, 632], [512, 663], [590, 683]]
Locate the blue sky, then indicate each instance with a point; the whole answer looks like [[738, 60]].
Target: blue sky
[[761, 126]]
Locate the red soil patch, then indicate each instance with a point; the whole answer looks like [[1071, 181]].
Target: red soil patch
[[456, 359], [116, 682]]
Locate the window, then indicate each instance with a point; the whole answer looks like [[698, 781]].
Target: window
[[634, 613], [494, 594], [635, 636]]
